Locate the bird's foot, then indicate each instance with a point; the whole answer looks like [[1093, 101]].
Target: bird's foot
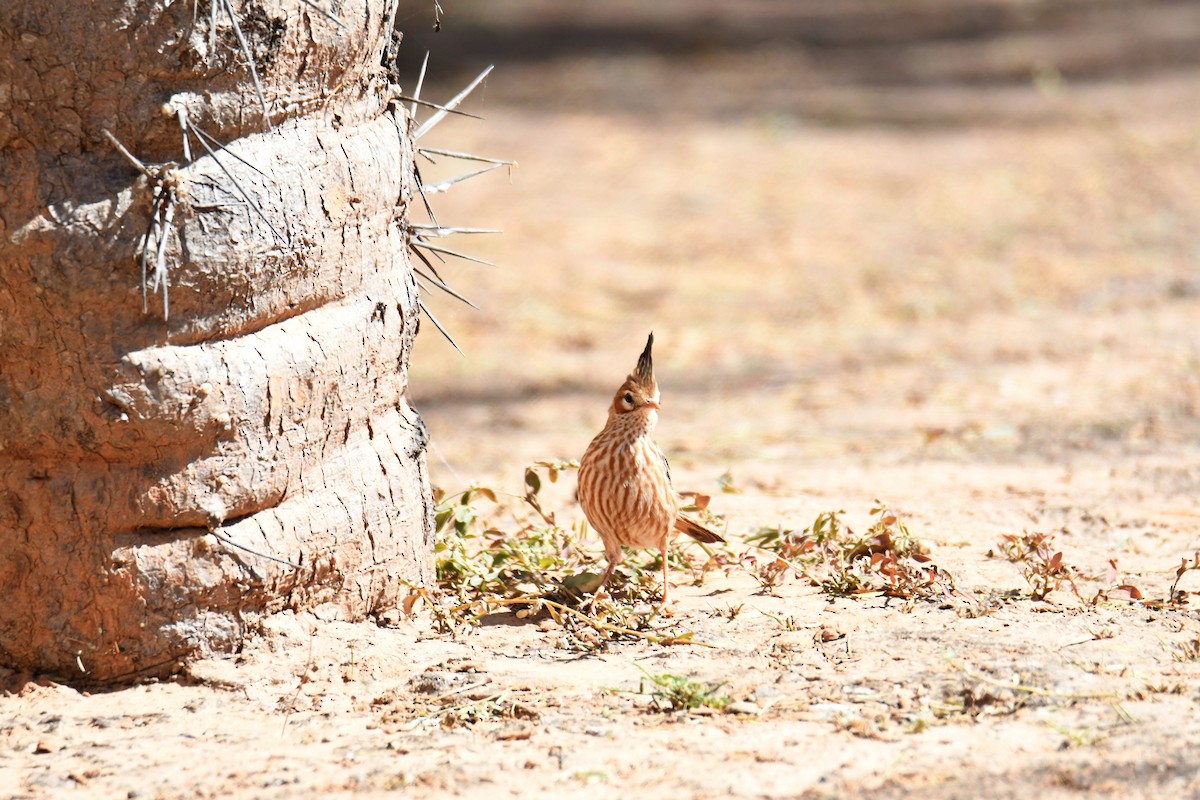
[[590, 606], [664, 608]]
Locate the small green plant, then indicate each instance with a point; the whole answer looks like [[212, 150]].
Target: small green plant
[[731, 612], [1114, 590], [473, 557], [887, 558], [1042, 565], [676, 693], [1078, 737], [497, 551], [1176, 596]]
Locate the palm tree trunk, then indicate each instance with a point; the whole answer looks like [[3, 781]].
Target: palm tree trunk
[[205, 327]]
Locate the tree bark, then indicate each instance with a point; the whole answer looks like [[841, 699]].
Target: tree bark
[[243, 444]]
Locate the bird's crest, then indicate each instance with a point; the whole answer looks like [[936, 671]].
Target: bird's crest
[[644, 374]]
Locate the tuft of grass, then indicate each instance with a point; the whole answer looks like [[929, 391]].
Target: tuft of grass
[[788, 623], [1078, 737], [731, 612], [677, 693], [1186, 651]]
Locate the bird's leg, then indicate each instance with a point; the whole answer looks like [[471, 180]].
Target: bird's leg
[[614, 558], [590, 608], [664, 609]]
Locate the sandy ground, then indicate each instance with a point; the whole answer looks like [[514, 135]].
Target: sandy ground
[[984, 314]]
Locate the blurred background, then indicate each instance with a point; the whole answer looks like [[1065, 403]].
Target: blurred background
[[868, 234]]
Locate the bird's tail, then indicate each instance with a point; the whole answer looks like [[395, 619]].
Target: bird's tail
[[696, 530]]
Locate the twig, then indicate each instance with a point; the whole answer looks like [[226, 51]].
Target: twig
[[324, 13], [417, 722], [438, 231], [237, 31], [438, 325], [181, 115], [212, 27], [215, 142], [465, 156], [1026, 689], [412, 246], [238, 186], [232, 543], [142, 254], [799, 569], [431, 104], [445, 288], [436, 118], [421, 191], [439, 249], [162, 214], [134, 160], [590, 621], [441, 186], [412, 109], [1184, 568], [312, 635], [160, 264], [153, 229]]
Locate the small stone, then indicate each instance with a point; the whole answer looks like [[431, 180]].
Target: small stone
[[389, 618], [48, 744], [217, 672], [433, 683], [829, 633], [743, 707], [765, 691]]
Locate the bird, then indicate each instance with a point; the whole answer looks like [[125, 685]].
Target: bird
[[625, 481]]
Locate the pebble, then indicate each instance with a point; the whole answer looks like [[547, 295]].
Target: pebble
[[48, 744], [829, 633]]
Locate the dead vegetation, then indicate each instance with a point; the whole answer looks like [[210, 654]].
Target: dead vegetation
[[500, 553], [885, 559], [507, 553]]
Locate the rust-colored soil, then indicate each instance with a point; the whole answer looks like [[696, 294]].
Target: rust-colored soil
[[988, 320]]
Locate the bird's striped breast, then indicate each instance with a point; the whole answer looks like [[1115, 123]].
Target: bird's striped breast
[[624, 487]]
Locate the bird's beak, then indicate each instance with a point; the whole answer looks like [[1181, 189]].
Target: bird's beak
[[655, 404]]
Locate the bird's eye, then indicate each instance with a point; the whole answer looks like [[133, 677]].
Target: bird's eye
[[628, 398]]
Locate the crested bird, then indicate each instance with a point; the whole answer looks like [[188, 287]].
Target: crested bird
[[624, 479]]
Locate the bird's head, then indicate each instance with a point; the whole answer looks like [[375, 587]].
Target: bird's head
[[639, 392]]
